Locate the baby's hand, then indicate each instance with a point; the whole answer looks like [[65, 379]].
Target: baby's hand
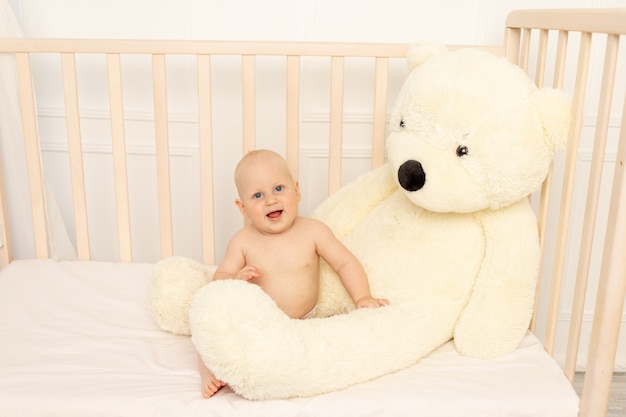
[[370, 302], [248, 273]]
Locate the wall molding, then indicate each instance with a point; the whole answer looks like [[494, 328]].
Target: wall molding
[[98, 114], [104, 148], [309, 115]]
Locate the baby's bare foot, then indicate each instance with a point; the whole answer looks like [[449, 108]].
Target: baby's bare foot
[[210, 384]]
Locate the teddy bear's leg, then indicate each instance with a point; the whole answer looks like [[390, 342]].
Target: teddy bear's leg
[[498, 313], [174, 282], [261, 353]]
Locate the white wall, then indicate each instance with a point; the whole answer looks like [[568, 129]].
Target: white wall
[[449, 21], [403, 21]]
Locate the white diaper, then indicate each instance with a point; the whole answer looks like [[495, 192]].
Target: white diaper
[[310, 314]]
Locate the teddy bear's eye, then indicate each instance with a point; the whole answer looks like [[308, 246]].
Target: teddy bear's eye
[[402, 124], [461, 151]]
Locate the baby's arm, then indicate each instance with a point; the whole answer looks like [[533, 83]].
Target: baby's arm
[[246, 273], [347, 266], [233, 266]]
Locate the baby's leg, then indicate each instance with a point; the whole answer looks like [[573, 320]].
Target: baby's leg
[[210, 384]]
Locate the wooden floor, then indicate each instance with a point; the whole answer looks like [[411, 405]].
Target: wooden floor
[[617, 400]]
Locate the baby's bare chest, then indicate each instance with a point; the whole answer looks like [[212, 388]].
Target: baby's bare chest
[[283, 256]]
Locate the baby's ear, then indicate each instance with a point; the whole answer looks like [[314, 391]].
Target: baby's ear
[[240, 206], [419, 53], [297, 185]]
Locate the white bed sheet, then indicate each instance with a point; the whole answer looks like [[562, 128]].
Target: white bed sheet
[[76, 339]]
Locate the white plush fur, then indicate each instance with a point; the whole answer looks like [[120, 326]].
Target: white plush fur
[[174, 283], [457, 258]]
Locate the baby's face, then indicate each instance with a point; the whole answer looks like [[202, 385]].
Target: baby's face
[[268, 196]]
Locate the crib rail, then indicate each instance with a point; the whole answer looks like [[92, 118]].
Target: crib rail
[[590, 30]]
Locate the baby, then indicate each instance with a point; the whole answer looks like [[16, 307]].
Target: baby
[[279, 250]]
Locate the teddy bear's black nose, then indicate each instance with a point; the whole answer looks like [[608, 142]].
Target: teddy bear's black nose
[[411, 175]]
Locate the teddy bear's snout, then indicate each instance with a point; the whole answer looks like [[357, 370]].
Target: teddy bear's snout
[[411, 175]]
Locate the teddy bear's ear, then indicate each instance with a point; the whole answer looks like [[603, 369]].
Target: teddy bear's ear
[[555, 111], [418, 53]]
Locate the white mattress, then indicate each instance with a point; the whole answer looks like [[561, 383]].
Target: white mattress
[[76, 339]]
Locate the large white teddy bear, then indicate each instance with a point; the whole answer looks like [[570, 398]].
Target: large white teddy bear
[[444, 230]]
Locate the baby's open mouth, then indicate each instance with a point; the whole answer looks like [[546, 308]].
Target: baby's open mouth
[[275, 214]]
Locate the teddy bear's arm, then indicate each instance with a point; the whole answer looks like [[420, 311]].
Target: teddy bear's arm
[[351, 203], [497, 315]]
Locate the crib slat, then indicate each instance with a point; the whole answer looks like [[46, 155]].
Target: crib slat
[[546, 188], [336, 123], [541, 57], [517, 45], [249, 106], [119, 156], [525, 49], [159, 84], [205, 130], [568, 186], [591, 206], [380, 111], [610, 299], [293, 114], [540, 68], [513, 38], [561, 53], [33, 154], [76, 156], [6, 254]]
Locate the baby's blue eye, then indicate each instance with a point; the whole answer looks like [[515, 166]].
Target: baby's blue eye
[[279, 188], [256, 195]]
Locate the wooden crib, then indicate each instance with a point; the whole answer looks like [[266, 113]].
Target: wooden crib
[[153, 153]]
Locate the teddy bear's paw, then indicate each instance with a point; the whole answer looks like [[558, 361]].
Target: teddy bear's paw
[[347, 207], [485, 343], [475, 346], [173, 284]]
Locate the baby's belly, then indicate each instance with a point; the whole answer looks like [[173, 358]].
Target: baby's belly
[[295, 296]]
